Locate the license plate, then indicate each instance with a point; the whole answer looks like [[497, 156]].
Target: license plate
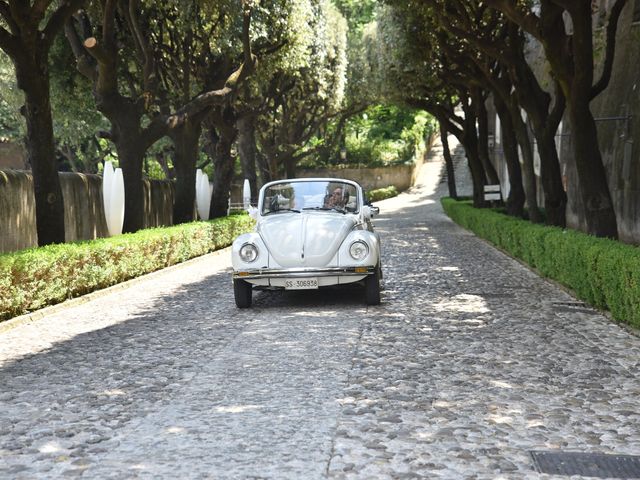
[[301, 284]]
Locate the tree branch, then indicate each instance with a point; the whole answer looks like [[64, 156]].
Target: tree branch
[[202, 101], [5, 13], [249, 63], [9, 43], [19, 11], [57, 20], [555, 116], [109, 23], [96, 50], [246, 37], [104, 134], [142, 46], [85, 63], [527, 20], [38, 9], [612, 28]]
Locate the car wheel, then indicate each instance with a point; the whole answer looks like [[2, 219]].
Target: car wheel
[[242, 293], [372, 288]]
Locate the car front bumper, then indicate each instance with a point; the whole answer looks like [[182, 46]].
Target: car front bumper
[[269, 273]]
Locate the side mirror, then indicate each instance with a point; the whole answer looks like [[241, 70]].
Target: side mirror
[[369, 211], [373, 210], [253, 212]]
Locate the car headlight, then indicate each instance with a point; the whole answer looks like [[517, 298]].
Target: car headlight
[[248, 252], [358, 250]]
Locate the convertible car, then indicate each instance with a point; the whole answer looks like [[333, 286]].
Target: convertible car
[[310, 233]]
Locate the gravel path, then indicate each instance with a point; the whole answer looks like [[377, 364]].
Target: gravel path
[[471, 362]]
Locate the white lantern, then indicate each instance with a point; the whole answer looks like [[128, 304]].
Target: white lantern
[[246, 194], [203, 194], [113, 198]]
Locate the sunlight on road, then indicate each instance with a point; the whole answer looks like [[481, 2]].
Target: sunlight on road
[[463, 303], [113, 393], [237, 408], [418, 196], [176, 430], [500, 419], [51, 447], [500, 384]]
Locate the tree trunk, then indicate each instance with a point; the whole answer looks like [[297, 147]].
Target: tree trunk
[[555, 198], [247, 150], [41, 156], [130, 159], [544, 120], [451, 179], [341, 156], [186, 141], [483, 139], [592, 176], [477, 171], [223, 162], [223, 174], [544, 131], [528, 171], [470, 142], [268, 157], [131, 147], [515, 202], [289, 162], [263, 164]]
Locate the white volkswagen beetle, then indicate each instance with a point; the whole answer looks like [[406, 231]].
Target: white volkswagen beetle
[[310, 233]]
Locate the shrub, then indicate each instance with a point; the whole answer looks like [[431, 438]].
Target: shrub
[[33, 278], [382, 193], [602, 272]]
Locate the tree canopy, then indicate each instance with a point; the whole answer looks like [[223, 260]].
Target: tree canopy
[[265, 86]]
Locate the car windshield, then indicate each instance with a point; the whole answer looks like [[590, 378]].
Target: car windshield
[[296, 196]]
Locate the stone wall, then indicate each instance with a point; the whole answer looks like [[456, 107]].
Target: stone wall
[[400, 176], [83, 210], [84, 214], [17, 211], [370, 178], [158, 203]]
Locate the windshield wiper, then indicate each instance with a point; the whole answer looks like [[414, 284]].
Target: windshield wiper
[[327, 209], [281, 210]]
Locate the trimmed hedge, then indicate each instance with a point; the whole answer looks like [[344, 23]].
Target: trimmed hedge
[[34, 278], [602, 272], [382, 193]]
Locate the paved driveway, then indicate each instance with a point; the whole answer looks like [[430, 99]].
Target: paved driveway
[[470, 362]]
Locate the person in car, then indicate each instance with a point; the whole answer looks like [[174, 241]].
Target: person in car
[[336, 199]]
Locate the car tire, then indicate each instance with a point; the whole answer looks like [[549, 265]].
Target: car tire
[[372, 288], [242, 293]]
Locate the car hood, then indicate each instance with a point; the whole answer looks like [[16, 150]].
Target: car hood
[[307, 239]]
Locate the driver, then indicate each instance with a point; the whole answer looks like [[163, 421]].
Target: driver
[[335, 199]]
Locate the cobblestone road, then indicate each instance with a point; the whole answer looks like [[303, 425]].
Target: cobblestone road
[[470, 362]]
